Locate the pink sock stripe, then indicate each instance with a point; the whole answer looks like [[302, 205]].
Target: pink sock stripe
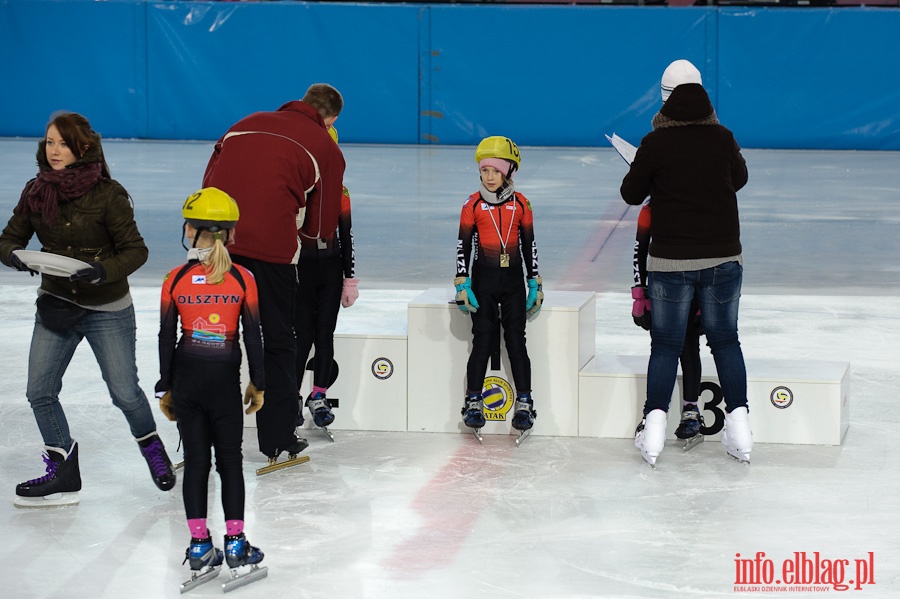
[[234, 527], [316, 389], [197, 527]]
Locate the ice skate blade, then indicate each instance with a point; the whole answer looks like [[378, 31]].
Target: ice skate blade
[[239, 579], [522, 436], [199, 577], [693, 442], [476, 432], [52, 500], [737, 454], [273, 466], [328, 433], [650, 459]]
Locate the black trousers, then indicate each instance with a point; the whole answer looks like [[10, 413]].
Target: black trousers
[[501, 298], [206, 398], [320, 283], [277, 286]]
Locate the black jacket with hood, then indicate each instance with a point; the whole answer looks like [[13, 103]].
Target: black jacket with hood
[[691, 167]]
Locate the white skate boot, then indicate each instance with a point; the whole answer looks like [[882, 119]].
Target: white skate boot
[[650, 436], [736, 436]]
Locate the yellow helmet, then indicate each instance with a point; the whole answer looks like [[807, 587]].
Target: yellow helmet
[[332, 131], [498, 147], [211, 209]]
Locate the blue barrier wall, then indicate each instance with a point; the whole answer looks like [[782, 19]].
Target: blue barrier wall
[[451, 73]]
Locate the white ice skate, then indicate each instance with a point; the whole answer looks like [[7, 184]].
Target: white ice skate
[[736, 436], [650, 436]]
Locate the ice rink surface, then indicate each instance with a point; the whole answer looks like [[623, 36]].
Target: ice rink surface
[[412, 515]]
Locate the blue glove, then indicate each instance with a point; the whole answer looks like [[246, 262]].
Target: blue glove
[[465, 298], [535, 296], [93, 274]]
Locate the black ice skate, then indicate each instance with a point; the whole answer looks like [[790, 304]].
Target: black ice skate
[[240, 553], [523, 418], [473, 414], [205, 561], [59, 486], [295, 447], [320, 408], [161, 469], [689, 428]]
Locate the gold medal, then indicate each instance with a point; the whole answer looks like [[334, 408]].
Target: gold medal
[[504, 260]]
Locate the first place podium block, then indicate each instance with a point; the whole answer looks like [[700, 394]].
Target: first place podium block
[[560, 340]]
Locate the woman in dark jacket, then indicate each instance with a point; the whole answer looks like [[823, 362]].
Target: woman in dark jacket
[[79, 212], [691, 167]]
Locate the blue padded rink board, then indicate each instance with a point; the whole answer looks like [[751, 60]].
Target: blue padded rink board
[[412, 515]]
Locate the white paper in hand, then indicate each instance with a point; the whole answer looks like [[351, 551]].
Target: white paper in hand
[[625, 149]]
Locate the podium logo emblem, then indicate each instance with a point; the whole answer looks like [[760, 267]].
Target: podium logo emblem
[[498, 396], [781, 397], [382, 369]]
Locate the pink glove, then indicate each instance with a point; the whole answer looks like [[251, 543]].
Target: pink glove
[[640, 309], [350, 292]]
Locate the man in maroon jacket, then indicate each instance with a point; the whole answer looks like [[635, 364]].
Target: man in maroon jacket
[[286, 174]]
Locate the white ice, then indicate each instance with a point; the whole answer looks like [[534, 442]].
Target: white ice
[[412, 515]]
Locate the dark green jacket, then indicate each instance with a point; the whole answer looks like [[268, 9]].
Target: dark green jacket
[[99, 226]]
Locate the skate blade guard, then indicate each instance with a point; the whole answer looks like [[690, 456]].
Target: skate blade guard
[[692, 442], [199, 577], [52, 500], [274, 465], [239, 579]]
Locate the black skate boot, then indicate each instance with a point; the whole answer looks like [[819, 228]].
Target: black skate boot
[[59, 486], [239, 552], [689, 428], [320, 409], [523, 418], [296, 445], [205, 561], [473, 414], [161, 469]]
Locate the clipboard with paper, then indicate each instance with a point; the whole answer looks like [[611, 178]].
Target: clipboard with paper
[[625, 149]]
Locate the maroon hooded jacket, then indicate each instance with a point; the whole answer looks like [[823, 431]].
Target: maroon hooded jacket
[[273, 164]]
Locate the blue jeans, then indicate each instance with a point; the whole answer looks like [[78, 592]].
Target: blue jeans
[[111, 336], [718, 292]]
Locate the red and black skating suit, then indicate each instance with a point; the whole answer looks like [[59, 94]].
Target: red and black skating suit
[[324, 264], [499, 240], [203, 373]]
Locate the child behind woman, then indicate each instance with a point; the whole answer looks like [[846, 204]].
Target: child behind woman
[[199, 382]]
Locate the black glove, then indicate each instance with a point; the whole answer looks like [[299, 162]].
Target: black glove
[[19, 265], [93, 274]]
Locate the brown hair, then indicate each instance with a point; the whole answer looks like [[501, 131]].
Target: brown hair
[[324, 98], [81, 138]]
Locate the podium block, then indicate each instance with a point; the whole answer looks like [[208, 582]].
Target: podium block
[[371, 385], [803, 402], [560, 340]]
